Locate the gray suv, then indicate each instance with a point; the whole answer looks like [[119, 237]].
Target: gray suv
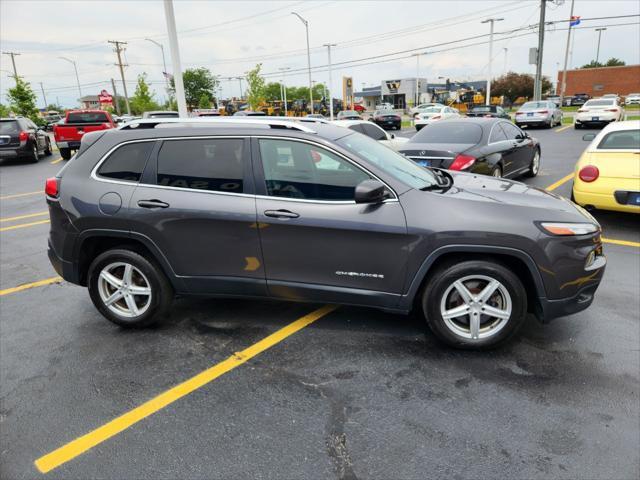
[[312, 212]]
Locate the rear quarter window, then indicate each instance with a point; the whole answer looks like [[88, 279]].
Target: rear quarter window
[[624, 140], [127, 162]]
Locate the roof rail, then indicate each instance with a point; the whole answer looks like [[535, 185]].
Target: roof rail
[[272, 122]]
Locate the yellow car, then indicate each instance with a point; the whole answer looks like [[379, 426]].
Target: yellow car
[[607, 176]]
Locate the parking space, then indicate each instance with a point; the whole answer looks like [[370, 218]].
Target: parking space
[[347, 392]]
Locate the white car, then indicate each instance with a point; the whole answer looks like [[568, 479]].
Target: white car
[[372, 130], [632, 99], [598, 111], [422, 107], [434, 114], [384, 106]]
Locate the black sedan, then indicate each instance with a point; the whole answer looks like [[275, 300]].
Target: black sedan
[[486, 146], [387, 119], [493, 111]]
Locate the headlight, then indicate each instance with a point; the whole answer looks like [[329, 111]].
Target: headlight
[[569, 228]]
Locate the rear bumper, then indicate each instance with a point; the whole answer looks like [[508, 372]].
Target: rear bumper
[[614, 201], [70, 145], [64, 268], [16, 151]]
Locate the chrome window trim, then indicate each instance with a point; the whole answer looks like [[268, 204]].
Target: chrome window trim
[[98, 178]]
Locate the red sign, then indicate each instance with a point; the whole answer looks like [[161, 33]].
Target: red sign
[[105, 97]]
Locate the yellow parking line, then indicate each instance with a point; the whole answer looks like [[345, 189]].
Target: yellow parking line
[[562, 129], [27, 286], [57, 160], [80, 445], [20, 217], [23, 225], [562, 181], [625, 243], [16, 195]]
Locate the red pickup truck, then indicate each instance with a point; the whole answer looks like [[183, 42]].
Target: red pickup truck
[[78, 122]]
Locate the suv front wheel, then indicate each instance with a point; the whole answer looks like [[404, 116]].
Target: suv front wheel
[[474, 304], [128, 289]]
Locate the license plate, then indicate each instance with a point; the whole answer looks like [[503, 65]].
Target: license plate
[[529, 114], [595, 119], [633, 199], [424, 163]]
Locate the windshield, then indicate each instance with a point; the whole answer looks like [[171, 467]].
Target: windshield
[[391, 162], [598, 103], [534, 105], [88, 117], [449, 132]]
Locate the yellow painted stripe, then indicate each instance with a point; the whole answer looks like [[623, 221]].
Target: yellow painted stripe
[[16, 195], [82, 444], [27, 286], [560, 182], [57, 160], [23, 225], [625, 243], [562, 129], [20, 217]]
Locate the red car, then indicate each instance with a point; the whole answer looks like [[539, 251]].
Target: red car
[[359, 108], [78, 122]]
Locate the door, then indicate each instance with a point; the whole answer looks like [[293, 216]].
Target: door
[[521, 152], [196, 204], [318, 244]]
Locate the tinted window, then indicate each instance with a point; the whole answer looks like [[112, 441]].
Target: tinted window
[[9, 127], [374, 132], [304, 171], [511, 130], [163, 115], [202, 164], [483, 109], [626, 140], [127, 162], [449, 132], [88, 117], [497, 134]]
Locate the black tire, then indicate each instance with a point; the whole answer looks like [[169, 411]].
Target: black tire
[[577, 126], [534, 169], [161, 291], [442, 280], [47, 148], [496, 171], [65, 153]]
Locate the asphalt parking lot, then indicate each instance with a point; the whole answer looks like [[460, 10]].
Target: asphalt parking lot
[[346, 393]]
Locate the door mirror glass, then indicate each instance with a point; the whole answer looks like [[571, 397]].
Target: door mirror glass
[[370, 191], [587, 137], [392, 136]]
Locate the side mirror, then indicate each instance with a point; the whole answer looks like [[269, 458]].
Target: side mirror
[[370, 191], [587, 137], [392, 136]]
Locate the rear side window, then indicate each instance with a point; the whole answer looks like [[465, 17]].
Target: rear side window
[[624, 140], [449, 132], [127, 162], [211, 164], [497, 134], [88, 117], [9, 127]]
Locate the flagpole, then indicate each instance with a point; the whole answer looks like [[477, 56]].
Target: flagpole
[[563, 85]]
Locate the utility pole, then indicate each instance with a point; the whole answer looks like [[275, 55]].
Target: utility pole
[[284, 88], [241, 93], [119, 50], [13, 61], [175, 58], [505, 59], [490, 21], [416, 98], [115, 97], [599, 30], [75, 67], [44, 97], [563, 85], [306, 26], [329, 45], [537, 93]]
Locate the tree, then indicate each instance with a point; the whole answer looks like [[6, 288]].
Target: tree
[[4, 111], [256, 88], [592, 64], [615, 62], [205, 101], [197, 82], [53, 106], [514, 85], [22, 100], [142, 99], [273, 92]]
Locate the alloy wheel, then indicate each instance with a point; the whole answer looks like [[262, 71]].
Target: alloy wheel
[[535, 163], [124, 289], [476, 307]]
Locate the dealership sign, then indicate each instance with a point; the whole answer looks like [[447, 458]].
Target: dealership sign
[[105, 97]]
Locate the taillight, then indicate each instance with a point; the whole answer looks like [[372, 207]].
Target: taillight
[[462, 162], [51, 187], [519, 113], [436, 117], [612, 110], [582, 110], [487, 116], [24, 136], [544, 111], [589, 173]]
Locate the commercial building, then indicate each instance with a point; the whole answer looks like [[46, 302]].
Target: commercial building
[[599, 81]]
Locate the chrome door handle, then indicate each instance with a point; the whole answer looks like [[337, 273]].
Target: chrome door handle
[[281, 214], [152, 204]]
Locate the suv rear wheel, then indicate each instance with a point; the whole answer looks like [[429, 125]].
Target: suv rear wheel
[[474, 304], [128, 289]]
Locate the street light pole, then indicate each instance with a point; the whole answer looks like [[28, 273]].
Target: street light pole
[[563, 85], [284, 89], [506, 50], [329, 45], [537, 93], [240, 81], [175, 58], [164, 63], [417, 55], [306, 26], [75, 67], [491, 21], [599, 30]]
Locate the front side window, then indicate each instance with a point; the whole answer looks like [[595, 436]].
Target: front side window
[[511, 130], [213, 164], [127, 162], [497, 134], [622, 140], [304, 171]]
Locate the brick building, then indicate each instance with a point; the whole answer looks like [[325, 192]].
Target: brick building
[[598, 81]]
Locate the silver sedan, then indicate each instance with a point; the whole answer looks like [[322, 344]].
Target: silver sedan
[[543, 113]]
